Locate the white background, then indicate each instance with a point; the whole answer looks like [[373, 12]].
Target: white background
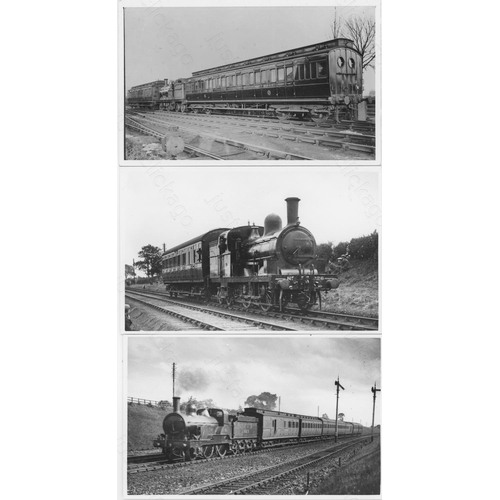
[[439, 271]]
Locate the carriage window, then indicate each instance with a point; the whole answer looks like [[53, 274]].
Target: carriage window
[[289, 73], [183, 259], [257, 77], [273, 75], [351, 63], [230, 81], [194, 256], [246, 77], [238, 80], [340, 62], [313, 70], [299, 72], [308, 70], [223, 81], [264, 75], [252, 78], [281, 74]]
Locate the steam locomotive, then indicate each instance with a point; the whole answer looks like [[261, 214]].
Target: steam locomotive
[[310, 82], [194, 434], [266, 266]]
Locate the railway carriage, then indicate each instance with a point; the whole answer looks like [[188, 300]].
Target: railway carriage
[[145, 96], [266, 266], [311, 82], [310, 428], [275, 427]]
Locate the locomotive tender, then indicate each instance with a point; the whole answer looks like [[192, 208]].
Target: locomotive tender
[[267, 266], [310, 82], [193, 434]]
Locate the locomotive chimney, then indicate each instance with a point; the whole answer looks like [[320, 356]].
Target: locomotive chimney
[[177, 405], [292, 209]]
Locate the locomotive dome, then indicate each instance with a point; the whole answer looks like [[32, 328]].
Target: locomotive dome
[[272, 224]]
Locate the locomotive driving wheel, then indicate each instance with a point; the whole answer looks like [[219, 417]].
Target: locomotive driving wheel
[[208, 451], [246, 301], [266, 301], [221, 450]]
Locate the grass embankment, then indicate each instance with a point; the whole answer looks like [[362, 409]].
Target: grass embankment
[[144, 425], [359, 477], [358, 290]]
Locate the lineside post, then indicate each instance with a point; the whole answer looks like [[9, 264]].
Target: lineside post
[[337, 383], [374, 390]]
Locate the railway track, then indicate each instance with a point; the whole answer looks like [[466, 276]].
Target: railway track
[[161, 463], [345, 129], [159, 135], [152, 128], [323, 319], [220, 320], [258, 481], [307, 132]]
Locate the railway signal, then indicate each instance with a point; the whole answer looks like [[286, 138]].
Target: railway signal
[[337, 383], [374, 390]]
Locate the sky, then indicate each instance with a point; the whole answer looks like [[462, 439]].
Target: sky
[[174, 42], [301, 370], [172, 205]]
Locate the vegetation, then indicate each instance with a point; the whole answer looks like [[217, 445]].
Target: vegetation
[[265, 401], [359, 29], [359, 477], [151, 260]]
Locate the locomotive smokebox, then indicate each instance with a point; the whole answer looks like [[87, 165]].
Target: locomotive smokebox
[[292, 209], [272, 224], [177, 405]]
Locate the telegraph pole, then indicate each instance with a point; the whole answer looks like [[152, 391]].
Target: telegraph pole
[[173, 380], [337, 383], [374, 390]]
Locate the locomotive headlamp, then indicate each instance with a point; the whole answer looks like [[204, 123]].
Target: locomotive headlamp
[[347, 100]]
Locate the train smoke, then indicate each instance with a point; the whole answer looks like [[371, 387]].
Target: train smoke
[[193, 379]]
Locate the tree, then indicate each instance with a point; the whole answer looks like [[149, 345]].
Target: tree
[[129, 271], [151, 260], [325, 251], [265, 401], [359, 29], [325, 415], [341, 416]]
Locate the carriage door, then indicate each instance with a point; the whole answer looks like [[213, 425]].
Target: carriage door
[[213, 252], [280, 84], [275, 426], [290, 89]]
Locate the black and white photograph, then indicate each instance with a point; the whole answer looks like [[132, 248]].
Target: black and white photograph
[[250, 249], [244, 83], [267, 415]]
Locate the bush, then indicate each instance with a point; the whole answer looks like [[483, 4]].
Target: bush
[[363, 248]]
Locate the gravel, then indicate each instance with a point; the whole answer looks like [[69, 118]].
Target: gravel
[[175, 481]]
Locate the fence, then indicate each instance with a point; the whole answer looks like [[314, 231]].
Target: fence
[[147, 402]]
